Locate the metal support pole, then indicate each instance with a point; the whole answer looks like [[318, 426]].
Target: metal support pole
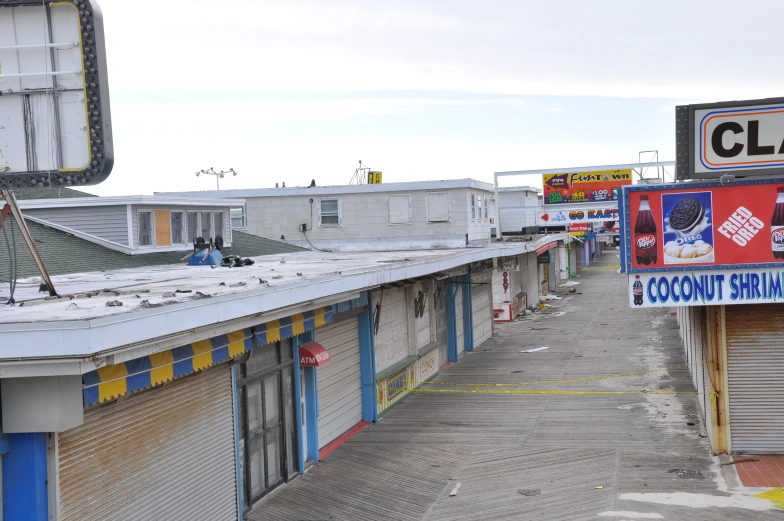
[[497, 208], [17, 213]]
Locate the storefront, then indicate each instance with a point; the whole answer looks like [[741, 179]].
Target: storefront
[[755, 365]]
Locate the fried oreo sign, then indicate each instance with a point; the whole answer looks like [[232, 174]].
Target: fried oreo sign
[[690, 226]]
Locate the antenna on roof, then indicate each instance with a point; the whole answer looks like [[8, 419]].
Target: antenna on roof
[[360, 174]]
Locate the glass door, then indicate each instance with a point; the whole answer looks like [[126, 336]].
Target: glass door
[[268, 435]]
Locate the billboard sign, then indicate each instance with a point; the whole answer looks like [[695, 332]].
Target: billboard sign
[[584, 187], [704, 226], [54, 96], [707, 288], [582, 215], [578, 228], [739, 137]]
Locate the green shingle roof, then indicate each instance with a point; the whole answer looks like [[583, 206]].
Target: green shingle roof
[[63, 253], [23, 194]]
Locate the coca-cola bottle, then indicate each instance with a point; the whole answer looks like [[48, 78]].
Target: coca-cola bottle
[[777, 226], [637, 291], [645, 247]]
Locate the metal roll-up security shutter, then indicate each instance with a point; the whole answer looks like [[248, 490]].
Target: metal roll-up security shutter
[[164, 453], [755, 365], [392, 336], [339, 381], [481, 308]]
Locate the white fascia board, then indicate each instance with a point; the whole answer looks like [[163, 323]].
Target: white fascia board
[[338, 190], [520, 189], [136, 200], [625, 166], [87, 339]]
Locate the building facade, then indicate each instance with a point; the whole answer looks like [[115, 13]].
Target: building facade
[[393, 216]]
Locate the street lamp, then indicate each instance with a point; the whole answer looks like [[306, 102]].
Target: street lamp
[[218, 175]]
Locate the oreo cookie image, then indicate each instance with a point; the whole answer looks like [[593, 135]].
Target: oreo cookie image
[[686, 214], [688, 228]]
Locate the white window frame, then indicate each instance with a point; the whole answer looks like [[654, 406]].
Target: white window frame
[[472, 196], [139, 228], [187, 228], [183, 226], [201, 225], [244, 217], [223, 218], [389, 212], [448, 206], [340, 217]]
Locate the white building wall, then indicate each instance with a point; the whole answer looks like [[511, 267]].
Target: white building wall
[[531, 281], [365, 222], [482, 311]]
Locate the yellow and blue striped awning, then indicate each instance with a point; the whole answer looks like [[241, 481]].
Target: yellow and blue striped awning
[[113, 381]]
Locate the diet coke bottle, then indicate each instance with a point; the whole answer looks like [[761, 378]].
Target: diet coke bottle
[[645, 247], [777, 226], [637, 291]]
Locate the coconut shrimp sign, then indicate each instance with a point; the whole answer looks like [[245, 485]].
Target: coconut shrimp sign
[[706, 288], [704, 226]]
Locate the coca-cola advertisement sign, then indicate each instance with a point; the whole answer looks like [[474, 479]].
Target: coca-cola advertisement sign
[[704, 226]]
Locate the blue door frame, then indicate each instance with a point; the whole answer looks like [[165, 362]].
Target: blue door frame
[[24, 478], [468, 315]]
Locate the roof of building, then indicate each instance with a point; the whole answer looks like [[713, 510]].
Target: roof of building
[[145, 200], [23, 194], [64, 253], [337, 190], [122, 311]]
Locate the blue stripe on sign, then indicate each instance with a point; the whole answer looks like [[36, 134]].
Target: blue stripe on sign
[[182, 352], [248, 339], [328, 311], [137, 382], [90, 395], [219, 341], [138, 365], [285, 328], [183, 367], [91, 378], [310, 324], [220, 354]]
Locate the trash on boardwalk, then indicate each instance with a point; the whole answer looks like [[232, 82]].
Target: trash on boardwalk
[[535, 350]]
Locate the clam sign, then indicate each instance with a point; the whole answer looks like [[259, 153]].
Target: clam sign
[[740, 137]]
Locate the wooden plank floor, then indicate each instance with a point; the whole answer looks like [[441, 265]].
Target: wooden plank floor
[[535, 457]]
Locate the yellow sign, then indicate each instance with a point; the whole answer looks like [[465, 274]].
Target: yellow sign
[[374, 178]]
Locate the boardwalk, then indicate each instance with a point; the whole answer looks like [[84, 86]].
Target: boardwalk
[[538, 457]]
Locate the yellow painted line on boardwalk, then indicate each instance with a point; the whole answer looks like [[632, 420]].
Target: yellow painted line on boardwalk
[[775, 495], [539, 392], [550, 382]]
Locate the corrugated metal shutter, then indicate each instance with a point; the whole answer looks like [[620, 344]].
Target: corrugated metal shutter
[[755, 365], [481, 308], [339, 381], [392, 337], [166, 453]]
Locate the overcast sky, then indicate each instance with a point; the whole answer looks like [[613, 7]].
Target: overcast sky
[[290, 91]]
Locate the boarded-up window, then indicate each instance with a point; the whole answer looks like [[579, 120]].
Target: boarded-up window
[[437, 207], [145, 228], [399, 209], [193, 225], [162, 228], [176, 228]]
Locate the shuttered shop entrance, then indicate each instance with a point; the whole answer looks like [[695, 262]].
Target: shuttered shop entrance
[[755, 365], [165, 453], [339, 381], [481, 307]]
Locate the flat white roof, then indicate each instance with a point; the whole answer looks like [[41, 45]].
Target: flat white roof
[[337, 190], [152, 200], [180, 298], [521, 189]]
